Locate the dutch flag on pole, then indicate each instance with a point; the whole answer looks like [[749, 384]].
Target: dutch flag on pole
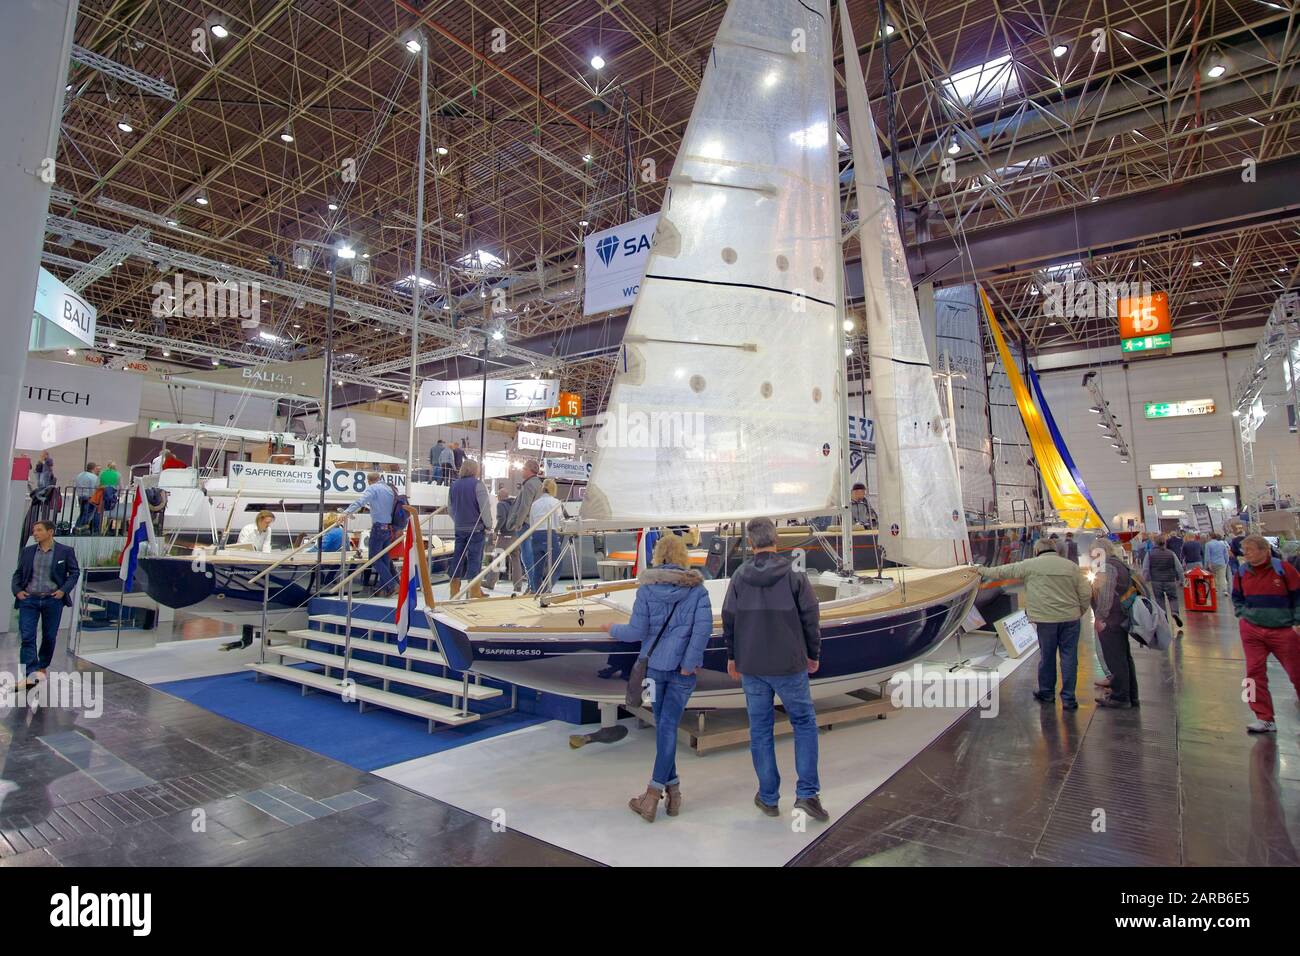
[[408, 585], [646, 539], [139, 530]]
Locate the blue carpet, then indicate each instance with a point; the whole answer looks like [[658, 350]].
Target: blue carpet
[[324, 724]]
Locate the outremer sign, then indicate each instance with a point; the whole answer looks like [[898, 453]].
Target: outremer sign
[[615, 262]]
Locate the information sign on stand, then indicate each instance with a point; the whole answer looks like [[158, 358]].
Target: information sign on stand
[[1018, 633]]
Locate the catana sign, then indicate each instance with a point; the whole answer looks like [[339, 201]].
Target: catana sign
[[448, 402], [558, 444], [615, 262], [303, 479]]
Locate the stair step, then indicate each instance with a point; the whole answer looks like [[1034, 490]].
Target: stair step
[[370, 695], [358, 623], [376, 647], [399, 675]]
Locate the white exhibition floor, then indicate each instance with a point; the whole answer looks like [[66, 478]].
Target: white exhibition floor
[[533, 782], [175, 660]]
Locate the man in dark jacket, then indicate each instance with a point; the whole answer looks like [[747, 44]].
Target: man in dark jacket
[[42, 585], [770, 622], [1174, 542], [1164, 572], [1193, 552]]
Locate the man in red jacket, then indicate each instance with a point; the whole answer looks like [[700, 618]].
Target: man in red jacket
[[1266, 598]]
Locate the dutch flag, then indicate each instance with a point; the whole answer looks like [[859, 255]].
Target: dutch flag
[[646, 539], [408, 586], [139, 530]]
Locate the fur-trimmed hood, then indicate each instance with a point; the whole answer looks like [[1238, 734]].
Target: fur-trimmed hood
[[671, 574]]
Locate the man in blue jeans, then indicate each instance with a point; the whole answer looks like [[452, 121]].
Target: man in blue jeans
[[381, 499], [771, 625], [42, 586]]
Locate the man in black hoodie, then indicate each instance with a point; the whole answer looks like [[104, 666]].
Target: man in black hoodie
[[770, 621]]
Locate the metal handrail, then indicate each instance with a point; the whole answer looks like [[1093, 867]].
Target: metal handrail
[[504, 555], [316, 537]]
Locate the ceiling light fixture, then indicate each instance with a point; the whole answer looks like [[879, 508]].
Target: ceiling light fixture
[[442, 151], [586, 157], [201, 199], [1197, 262], [124, 125], [1216, 71], [953, 148], [219, 31], [286, 135], [598, 62], [332, 206], [413, 46], [1060, 50]]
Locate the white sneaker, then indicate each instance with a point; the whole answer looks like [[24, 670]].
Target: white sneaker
[[1261, 727]]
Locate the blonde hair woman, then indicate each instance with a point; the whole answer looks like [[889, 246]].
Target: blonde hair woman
[[671, 620]]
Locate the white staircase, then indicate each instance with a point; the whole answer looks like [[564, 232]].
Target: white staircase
[[397, 668]]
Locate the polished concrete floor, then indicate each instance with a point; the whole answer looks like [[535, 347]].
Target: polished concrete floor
[[158, 781]]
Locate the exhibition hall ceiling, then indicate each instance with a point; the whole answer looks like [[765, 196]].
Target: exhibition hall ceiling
[[263, 133]]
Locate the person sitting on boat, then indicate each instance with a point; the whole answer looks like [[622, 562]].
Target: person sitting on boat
[[863, 513], [258, 534], [771, 624], [471, 513], [672, 619], [381, 499], [332, 539], [546, 539]]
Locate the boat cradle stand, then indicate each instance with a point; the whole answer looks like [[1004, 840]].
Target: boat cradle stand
[[708, 730]]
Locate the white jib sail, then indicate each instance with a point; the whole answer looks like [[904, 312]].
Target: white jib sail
[[724, 404], [921, 518]]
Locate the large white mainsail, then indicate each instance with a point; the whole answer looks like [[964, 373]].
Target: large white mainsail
[[920, 507], [726, 402]]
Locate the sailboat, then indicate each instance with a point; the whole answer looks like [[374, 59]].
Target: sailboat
[[739, 325]]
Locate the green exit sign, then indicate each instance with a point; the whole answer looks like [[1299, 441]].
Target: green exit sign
[[1147, 343]]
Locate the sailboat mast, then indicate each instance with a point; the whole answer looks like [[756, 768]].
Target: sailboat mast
[[841, 314], [417, 290]]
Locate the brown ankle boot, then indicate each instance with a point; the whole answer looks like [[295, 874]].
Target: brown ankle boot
[[674, 806], [646, 805]]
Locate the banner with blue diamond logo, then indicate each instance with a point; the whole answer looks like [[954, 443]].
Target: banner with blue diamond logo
[[615, 261]]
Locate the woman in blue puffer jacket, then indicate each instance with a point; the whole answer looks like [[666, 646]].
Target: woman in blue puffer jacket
[[672, 619]]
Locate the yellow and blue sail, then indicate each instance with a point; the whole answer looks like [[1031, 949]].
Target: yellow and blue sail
[[1061, 479]]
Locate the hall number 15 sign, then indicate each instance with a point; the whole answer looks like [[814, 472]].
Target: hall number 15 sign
[[1144, 315]]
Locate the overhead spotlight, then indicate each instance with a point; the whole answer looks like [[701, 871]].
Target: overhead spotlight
[[584, 224], [848, 325], [460, 215], [1060, 50], [413, 45], [953, 148], [216, 362], [173, 223], [332, 206], [1095, 199], [124, 124], [1197, 263], [442, 151], [1236, 413], [586, 157], [219, 31], [598, 62], [166, 354], [1216, 70], [848, 350], [201, 199], [286, 134], [345, 251]]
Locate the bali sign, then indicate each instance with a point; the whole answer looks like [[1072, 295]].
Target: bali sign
[[447, 402], [1196, 406], [61, 318]]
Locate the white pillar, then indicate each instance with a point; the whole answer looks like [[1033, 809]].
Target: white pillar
[[34, 48]]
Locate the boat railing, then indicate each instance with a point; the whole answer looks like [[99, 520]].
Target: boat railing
[[338, 586], [500, 560], [305, 543]]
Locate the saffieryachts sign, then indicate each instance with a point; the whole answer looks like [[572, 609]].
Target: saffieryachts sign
[[447, 402], [615, 262], [294, 479]]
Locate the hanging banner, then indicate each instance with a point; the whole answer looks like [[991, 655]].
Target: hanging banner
[[862, 430], [561, 469], [61, 403], [449, 402], [532, 441], [615, 261], [61, 318], [290, 379]]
